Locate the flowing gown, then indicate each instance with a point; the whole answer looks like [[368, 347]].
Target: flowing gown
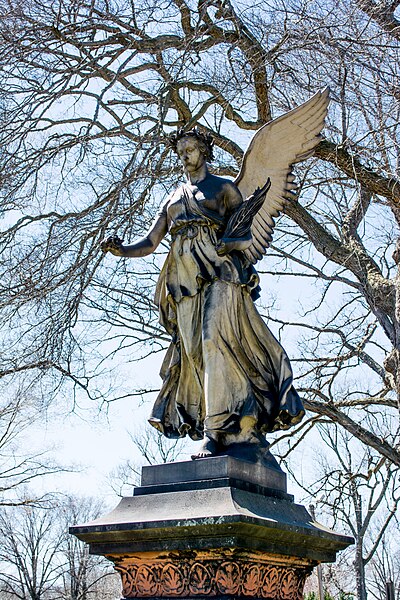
[[223, 363]]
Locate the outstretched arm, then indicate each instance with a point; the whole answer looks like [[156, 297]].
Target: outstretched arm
[[142, 247]]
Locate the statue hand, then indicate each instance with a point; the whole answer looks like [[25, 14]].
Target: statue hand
[[221, 248], [226, 245], [112, 244]]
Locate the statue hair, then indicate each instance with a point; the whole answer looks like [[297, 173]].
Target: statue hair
[[205, 141]]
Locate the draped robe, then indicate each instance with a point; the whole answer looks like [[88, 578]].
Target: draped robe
[[223, 363]]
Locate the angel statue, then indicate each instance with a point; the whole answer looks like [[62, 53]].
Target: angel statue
[[226, 379]]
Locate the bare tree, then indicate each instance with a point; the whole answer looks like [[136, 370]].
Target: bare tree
[[29, 553], [385, 567], [19, 467], [92, 89], [359, 491], [83, 576], [41, 561]]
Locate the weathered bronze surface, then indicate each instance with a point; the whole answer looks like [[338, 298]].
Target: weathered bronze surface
[[225, 377]]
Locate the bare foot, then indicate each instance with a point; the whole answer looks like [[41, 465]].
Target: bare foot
[[208, 448]]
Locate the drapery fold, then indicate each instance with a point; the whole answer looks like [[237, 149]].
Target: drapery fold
[[223, 363]]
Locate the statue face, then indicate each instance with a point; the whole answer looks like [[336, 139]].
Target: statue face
[[190, 154]]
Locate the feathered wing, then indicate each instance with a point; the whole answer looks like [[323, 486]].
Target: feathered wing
[[239, 224], [273, 150]]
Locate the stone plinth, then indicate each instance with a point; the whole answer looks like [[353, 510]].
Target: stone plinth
[[216, 527]]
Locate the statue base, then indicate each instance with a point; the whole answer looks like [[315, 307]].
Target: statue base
[[215, 527]]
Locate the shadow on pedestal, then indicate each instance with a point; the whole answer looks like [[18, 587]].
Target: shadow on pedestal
[[215, 527]]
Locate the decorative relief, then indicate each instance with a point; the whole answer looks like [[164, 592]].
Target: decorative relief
[[270, 583], [288, 586], [172, 580], [251, 580], [163, 578], [228, 578], [200, 580], [146, 581]]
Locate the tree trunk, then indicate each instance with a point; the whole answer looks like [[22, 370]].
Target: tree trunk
[[359, 568], [359, 564]]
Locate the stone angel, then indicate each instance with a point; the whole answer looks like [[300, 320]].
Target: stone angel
[[226, 379]]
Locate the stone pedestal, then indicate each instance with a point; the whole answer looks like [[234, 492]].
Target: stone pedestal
[[216, 527]]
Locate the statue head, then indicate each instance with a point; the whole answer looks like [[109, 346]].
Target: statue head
[[204, 141]]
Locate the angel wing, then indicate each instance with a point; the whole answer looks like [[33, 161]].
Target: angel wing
[[271, 153], [239, 224]]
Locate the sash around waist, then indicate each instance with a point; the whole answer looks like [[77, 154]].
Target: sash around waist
[[191, 229]]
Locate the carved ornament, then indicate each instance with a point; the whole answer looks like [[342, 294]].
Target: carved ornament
[[193, 578]]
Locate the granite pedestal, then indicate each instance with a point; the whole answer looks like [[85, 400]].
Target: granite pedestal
[[218, 527]]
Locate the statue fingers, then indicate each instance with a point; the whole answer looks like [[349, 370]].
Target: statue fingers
[[110, 243], [104, 245], [219, 248]]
